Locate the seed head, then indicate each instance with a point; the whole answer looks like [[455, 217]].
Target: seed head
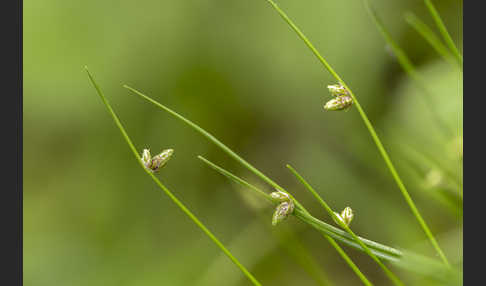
[[345, 217], [146, 158], [280, 196], [337, 90], [282, 211], [342, 102], [157, 162]]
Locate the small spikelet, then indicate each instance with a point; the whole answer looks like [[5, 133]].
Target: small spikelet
[[282, 211], [157, 162], [342, 102], [347, 215], [146, 158], [160, 160], [280, 196], [337, 90]]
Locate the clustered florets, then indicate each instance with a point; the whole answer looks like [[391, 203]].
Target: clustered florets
[[342, 100], [284, 209], [345, 217], [157, 162]]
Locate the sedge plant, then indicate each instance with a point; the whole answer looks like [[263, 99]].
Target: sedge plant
[[372, 132], [286, 204]]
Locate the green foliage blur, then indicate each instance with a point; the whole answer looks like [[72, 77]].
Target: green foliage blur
[[91, 215]]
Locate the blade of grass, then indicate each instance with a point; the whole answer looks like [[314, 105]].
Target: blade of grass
[[269, 198], [217, 143], [410, 69], [372, 131], [443, 31], [430, 37], [390, 274], [166, 191]]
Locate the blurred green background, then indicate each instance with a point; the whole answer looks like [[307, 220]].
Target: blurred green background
[[93, 217]]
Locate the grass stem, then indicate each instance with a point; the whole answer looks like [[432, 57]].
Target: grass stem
[[390, 274], [430, 37], [217, 143], [303, 217], [372, 131], [407, 65], [443, 31], [166, 191]]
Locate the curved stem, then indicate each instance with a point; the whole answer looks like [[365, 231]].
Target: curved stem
[[217, 143], [443, 31], [372, 132], [166, 191], [305, 217], [410, 69], [381, 250], [404, 259], [430, 37]]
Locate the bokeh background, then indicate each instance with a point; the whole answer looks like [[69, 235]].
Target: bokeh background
[[92, 216]]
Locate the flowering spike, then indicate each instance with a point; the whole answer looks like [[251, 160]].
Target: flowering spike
[[157, 162], [347, 215], [282, 211], [342, 102], [160, 160], [280, 196], [146, 158], [337, 90]]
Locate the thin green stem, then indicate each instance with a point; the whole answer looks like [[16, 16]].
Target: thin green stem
[[289, 241], [300, 211], [307, 42], [410, 69], [390, 274], [380, 250], [404, 259], [443, 31], [299, 214], [217, 143], [430, 37], [368, 124], [166, 191]]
